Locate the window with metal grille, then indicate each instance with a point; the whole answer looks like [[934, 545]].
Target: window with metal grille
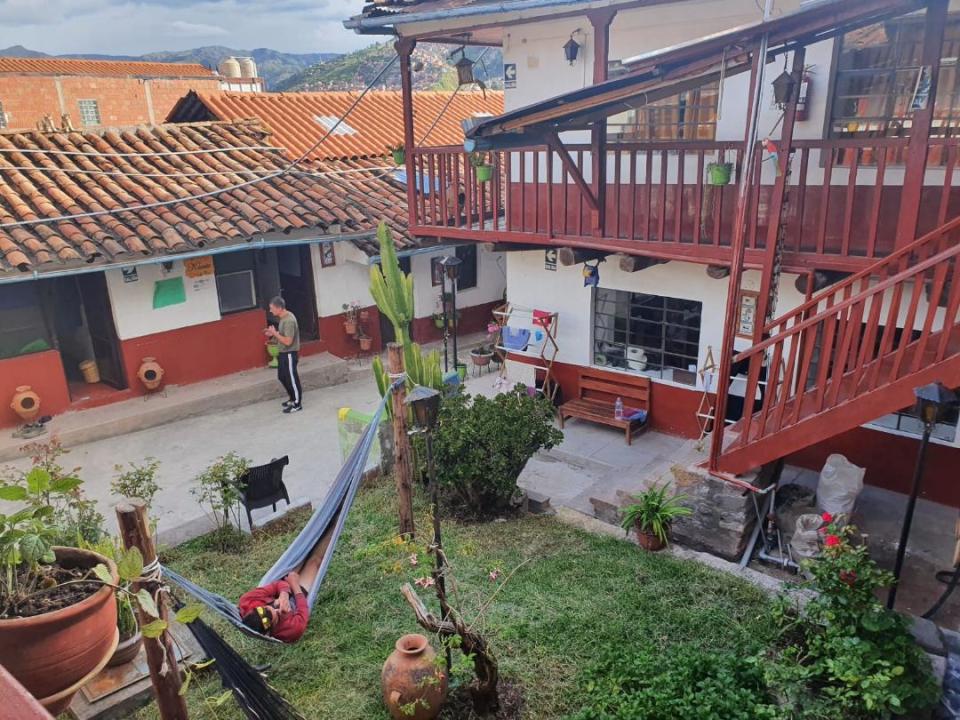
[[649, 334], [236, 281], [89, 112], [879, 77], [691, 115], [3, 118]]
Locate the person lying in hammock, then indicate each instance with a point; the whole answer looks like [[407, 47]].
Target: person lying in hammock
[[280, 609]]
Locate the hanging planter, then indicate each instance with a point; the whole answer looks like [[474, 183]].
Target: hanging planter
[[719, 173], [365, 343], [481, 167], [150, 373], [399, 154]]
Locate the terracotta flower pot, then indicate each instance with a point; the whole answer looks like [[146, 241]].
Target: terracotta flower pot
[[411, 679], [481, 359], [51, 653], [350, 327], [366, 343], [150, 373], [26, 403], [126, 651], [648, 540]]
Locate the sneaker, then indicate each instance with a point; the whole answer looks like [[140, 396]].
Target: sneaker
[[287, 403], [292, 409]]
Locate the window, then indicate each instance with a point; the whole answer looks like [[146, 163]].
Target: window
[[3, 118], [468, 267], [22, 326], [691, 115], [907, 421], [236, 285], [878, 73], [89, 112], [650, 334]]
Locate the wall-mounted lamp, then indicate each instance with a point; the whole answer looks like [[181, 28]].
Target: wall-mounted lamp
[[571, 49], [464, 68], [783, 88]]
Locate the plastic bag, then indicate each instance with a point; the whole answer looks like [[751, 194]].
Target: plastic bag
[[805, 543], [840, 483]]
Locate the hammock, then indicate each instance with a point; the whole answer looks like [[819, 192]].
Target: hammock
[[329, 517]]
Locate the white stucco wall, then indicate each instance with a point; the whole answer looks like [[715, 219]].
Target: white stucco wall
[[346, 282], [491, 282], [133, 311]]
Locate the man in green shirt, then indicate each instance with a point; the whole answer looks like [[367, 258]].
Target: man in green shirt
[[287, 334]]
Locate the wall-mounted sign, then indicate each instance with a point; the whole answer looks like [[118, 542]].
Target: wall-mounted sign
[[509, 75], [550, 259], [198, 267], [129, 274], [328, 257], [747, 317]]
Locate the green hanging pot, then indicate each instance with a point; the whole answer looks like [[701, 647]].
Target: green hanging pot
[[399, 156], [719, 173], [484, 173]]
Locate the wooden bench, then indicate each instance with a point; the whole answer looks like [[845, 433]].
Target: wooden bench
[[598, 394]]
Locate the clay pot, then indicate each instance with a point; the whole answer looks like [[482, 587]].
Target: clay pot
[[350, 327], [364, 315], [150, 373], [366, 343], [480, 359], [51, 654], [126, 651], [411, 677], [26, 403], [648, 540]]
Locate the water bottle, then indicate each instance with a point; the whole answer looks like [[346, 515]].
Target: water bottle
[[618, 409]]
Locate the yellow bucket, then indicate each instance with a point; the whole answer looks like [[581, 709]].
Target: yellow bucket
[[90, 372]]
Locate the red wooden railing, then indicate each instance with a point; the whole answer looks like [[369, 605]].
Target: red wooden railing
[[843, 345], [844, 195]]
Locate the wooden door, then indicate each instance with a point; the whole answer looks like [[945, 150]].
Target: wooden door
[[103, 332], [297, 287]]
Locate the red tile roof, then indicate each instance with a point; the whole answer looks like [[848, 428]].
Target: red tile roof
[[61, 66], [375, 123], [128, 167]]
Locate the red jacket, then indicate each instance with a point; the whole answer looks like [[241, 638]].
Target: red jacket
[[288, 628]]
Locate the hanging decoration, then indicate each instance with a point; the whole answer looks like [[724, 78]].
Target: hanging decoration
[[571, 49], [591, 274]]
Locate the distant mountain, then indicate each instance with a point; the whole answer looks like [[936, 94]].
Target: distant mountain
[[432, 64], [274, 67]]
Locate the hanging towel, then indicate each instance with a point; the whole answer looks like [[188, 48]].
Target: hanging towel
[[515, 338]]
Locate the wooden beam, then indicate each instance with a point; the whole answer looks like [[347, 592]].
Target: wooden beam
[[572, 256], [635, 263], [554, 143], [600, 20], [404, 48], [402, 465]]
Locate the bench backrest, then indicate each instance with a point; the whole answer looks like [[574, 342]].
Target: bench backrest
[[635, 390]]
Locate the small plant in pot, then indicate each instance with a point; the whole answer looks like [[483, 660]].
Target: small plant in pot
[[481, 355], [398, 153], [351, 316], [652, 515], [481, 166]]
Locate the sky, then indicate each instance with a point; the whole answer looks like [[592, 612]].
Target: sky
[[134, 27]]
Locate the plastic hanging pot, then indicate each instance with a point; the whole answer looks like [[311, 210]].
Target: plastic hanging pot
[[484, 173], [399, 156], [719, 173]]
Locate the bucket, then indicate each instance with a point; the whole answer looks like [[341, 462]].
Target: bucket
[[88, 368], [719, 173], [484, 173]]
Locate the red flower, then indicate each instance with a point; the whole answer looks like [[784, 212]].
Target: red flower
[[827, 517], [832, 541]]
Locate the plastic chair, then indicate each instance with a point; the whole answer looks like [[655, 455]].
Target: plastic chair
[[263, 485]]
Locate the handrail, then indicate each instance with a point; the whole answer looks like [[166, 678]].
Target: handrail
[[853, 300], [867, 272]]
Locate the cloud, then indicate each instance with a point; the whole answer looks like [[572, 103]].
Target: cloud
[[197, 30]]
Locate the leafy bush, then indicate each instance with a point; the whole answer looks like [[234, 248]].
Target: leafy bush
[[482, 445], [675, 684], [219, 491], [844, 656], [137, 481]]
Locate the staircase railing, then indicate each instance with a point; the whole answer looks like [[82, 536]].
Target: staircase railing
[[865, 332]]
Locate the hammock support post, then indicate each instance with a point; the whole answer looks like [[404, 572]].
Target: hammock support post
[[401, 441], [161, 659]]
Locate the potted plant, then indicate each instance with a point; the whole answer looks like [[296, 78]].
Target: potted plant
[[719, 173], [481, 355], [438, 320], [58, 620], [482, 166], [273, 352], [398, 152], [652, 515], [366, 342], [351, 313]]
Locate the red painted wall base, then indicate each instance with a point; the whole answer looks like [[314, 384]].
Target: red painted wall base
[[43, 372], [473, 319]]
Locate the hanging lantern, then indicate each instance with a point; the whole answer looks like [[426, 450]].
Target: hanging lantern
[[464, 68], [571, 50], [591, 275], [783, 88], [932, 402]]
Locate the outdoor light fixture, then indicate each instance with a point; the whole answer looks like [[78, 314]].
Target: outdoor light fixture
[[451, 266], [426, 407], [783, 86], [571, 49], [464, 68], [932, 401]]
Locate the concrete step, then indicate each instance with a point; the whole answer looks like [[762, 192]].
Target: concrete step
[[178, 402]]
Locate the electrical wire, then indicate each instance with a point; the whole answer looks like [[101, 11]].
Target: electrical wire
[[80, 171], [152, 153]]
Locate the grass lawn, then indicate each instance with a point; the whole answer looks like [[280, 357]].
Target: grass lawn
[[574, 593]]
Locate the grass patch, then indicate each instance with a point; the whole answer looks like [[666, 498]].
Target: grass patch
[[576, 594]]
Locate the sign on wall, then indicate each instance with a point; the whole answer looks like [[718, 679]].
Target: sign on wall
[[509, 75], [747, 316], [129, 274], [198, 267], [550, 259]]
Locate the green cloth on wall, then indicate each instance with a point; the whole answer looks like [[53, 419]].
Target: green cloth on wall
[[168, 292]]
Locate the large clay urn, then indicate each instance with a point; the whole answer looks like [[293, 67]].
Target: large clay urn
[[26, 403], [150, 373], [54, 654], [414, 684]]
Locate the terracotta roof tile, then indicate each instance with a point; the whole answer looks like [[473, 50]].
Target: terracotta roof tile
[[62, 66], [35, 185], [374, 124]]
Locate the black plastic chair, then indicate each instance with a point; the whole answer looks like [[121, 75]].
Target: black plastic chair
[[263, 485]]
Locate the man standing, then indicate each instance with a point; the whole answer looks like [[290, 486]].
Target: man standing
[[287, 333]]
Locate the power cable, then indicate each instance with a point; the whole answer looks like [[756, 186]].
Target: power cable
[[152, 153]]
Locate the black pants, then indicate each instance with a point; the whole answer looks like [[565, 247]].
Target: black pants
[[289, 378]]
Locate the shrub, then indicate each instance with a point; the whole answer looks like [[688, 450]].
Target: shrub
[[654, 511], [137, 481], [219, 491], [683, 682], [482, 445], [844, 656]]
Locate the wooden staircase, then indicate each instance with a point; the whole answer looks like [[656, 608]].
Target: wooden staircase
[[839, 360]]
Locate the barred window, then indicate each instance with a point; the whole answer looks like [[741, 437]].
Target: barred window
[[89, 112]]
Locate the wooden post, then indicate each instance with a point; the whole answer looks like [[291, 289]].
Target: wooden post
[[161, 659], [600, 20], [404, 48], [401, 442]]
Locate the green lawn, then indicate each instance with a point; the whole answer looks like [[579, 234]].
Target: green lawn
[[576, 593]]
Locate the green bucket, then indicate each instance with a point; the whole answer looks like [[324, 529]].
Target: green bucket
[[719, 173], [484, 173]]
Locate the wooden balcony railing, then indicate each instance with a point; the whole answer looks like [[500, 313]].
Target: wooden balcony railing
[[844, 196]]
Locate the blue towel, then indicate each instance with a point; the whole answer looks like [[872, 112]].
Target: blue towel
[[515, 338], [640, 415]]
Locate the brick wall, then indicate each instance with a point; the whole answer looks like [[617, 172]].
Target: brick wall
[[122, 100]]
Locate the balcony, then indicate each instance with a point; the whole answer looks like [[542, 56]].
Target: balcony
[[843, 201]]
